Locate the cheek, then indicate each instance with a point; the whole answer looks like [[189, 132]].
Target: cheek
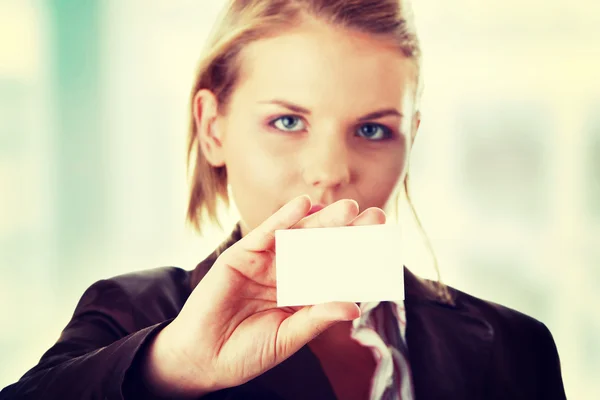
[[379, 177], [259, 178], [252, 164], [383, 175]]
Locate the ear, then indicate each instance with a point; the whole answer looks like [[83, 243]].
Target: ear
[[416, 122], [206, 117]]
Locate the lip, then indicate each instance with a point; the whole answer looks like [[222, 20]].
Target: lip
[[315, 208]]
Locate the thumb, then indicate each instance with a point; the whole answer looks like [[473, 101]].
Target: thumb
[[308, 323]]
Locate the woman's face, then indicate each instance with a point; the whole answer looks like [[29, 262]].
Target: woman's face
[[318, 111]]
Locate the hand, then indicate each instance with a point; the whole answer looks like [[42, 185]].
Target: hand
[[230, 329]]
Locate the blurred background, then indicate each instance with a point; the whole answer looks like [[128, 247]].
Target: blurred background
[[506, 169]]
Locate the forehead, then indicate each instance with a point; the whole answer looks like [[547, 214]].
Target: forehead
[[316, 64]]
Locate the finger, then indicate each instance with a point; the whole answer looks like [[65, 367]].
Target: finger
[[263, 237], [309, 322], [370, 216], [340, 213], [256, 266]]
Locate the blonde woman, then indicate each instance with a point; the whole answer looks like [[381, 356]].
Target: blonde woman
[[307, 111]]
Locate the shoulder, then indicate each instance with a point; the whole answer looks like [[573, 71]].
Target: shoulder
[[148, 296], [149, 282], [523, 350], [500, 317], [514, 332]]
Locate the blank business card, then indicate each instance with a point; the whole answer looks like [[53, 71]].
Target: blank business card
[[357, 264]]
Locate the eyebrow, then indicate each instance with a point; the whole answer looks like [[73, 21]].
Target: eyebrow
[[301, 110]]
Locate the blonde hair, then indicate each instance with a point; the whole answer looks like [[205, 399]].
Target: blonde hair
[[245, 21]]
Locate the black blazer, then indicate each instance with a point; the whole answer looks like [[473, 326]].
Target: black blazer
[[472, 350]]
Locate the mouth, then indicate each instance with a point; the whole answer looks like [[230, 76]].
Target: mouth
[[315, 208]]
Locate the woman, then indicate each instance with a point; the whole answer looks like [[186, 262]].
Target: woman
[[295, 98]]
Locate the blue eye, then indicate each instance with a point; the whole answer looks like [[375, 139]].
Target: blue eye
[[288, 123], [374, 132]]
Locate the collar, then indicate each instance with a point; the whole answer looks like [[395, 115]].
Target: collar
[[204, 266]]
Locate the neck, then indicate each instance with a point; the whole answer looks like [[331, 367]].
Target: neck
[[336, 336]]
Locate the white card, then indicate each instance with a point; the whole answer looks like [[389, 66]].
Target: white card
[[357, 264]]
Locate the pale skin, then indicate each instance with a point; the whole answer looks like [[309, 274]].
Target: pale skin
[[320, 115]]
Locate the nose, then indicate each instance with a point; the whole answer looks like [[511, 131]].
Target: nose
[[327, 165]]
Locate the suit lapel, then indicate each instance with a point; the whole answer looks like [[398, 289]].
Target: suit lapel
[[205, 265], [449, 345]]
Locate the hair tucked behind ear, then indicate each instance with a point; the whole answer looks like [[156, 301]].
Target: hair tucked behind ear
[[245, 21]]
